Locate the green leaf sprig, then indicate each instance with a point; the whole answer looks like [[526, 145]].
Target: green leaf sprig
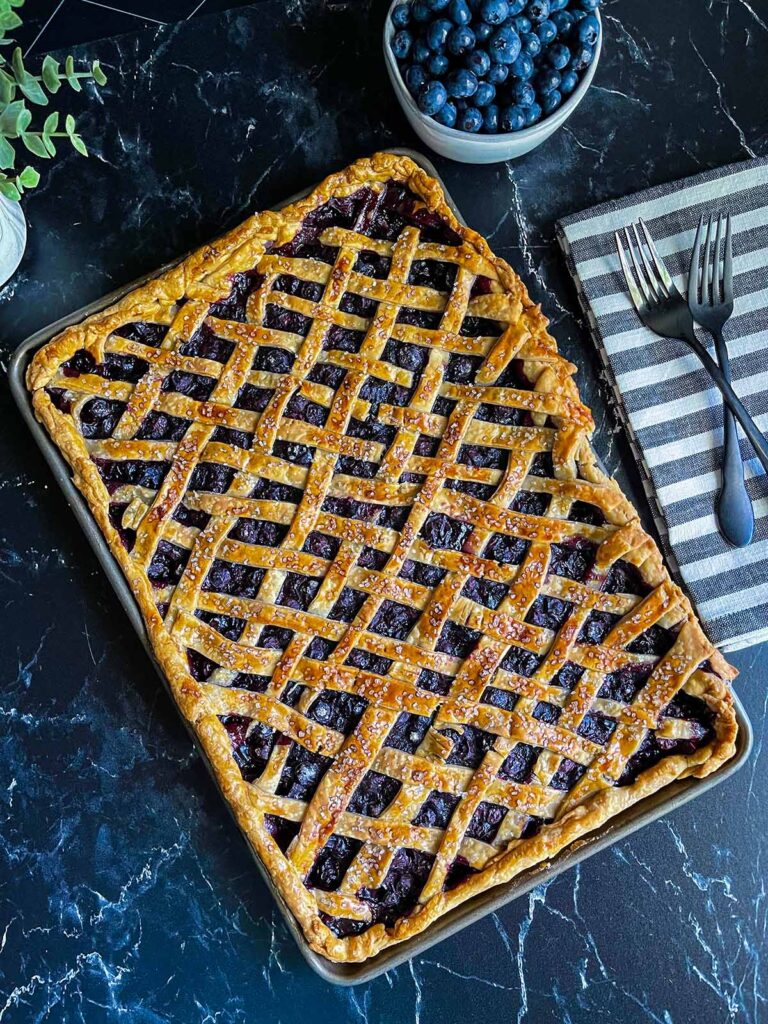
[[19, 86]]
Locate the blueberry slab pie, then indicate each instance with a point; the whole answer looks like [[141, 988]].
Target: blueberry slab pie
[[421, 636]]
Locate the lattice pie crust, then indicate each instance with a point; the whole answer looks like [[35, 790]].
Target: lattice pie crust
[[422, 638]]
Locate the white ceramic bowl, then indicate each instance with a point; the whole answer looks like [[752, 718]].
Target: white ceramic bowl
[[481, 149]]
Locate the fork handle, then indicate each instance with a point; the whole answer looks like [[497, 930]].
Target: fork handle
[[731, 399], [735, 514]]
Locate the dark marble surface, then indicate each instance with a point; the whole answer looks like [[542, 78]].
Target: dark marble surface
[[126, 893]]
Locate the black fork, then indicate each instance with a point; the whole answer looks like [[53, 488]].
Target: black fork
[[664, 310], [710, 300]]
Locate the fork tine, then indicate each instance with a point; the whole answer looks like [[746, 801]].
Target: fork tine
[[661, 269], [728, 263], [655, 285], [717, 276], [694, 276], [706, 280], [634, 291]]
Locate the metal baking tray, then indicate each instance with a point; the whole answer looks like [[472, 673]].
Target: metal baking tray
[[618, 828]]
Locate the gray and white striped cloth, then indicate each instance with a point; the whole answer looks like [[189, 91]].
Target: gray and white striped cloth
[[672, 413]]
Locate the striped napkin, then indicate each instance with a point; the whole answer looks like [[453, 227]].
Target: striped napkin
[[672, 413]]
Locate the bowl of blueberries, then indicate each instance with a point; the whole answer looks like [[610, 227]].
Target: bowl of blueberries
[[483, 81]]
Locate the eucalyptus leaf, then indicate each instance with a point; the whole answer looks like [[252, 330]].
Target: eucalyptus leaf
[[7, 88], [10, 118], [35, 144], [9, 190], [79, 145], [29, 177], [7, 154], [69, 71], [98, 75], [50, 74]]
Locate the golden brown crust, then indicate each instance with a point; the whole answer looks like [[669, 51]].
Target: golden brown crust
[[561, 425]]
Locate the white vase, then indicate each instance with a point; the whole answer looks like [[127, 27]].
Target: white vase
[[13, 237]]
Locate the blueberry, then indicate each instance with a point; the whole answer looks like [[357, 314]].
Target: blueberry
[[459, 12], [497, 73], [479, 62], [461, 41], [461, 83], [437, 5], [588, 30], [551, 101], [420, 11], [522, 25], [446, 115], [437, 33], [588, 5], [401, 43], [523, 67], [483, 31], [504, 45], [537, 10], [401, 15], [438, 64], [531, 44], [432, 97], [420, 52], [559, 55], [494, 11], [532, 114], [523, 94], [516, 6], [563, 22], [578, 14], [486, 93], [470, 120], [415, 77], [569, 82], [491, 119], [557, 5], [512, 119], [581, 58], [546, 32], [547, 80]]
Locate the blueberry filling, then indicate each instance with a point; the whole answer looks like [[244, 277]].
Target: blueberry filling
[[273, 360], [394, 620], [302, 773], [597, 626], [167, 564], [252, 398], [506, 549], [230, 627], [520, 661], [206, 345], [407, 732], [531, 503], [348, 604], [212, 476], [161, 426], [332, 863], [573, 558], [259, 531], [624, 684], [435, 682], [233, 578], [470, 745], [484, 592], [233, 307], [458, 641], [282, 830], [373, 795], [275, 638], [567, 775], [99, 417], [403, 354], [369, 662], [441, 531], [192, 385], [518, 764], [549, 612], [144, 333], [596, 727], [436, 810], [298, 591], [338, 710], [127, 536], [486, 821], [504, 699], [252, 744]]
